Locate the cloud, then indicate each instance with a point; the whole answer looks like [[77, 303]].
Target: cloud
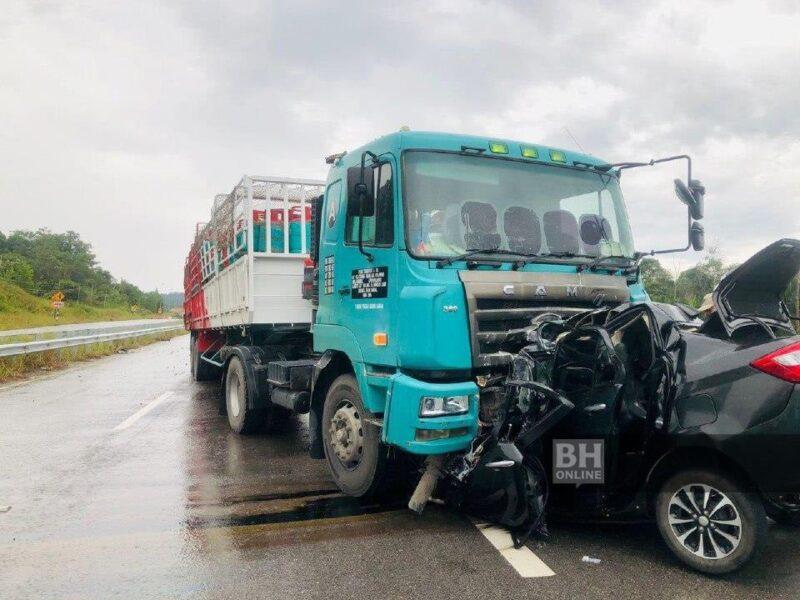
[[123, 120]]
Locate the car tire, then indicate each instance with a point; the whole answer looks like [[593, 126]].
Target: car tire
[[709, 522], [241, 418], [353, 449], [782, 516], [200, 369]]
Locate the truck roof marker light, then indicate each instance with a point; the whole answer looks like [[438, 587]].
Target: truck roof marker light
[[380, 339], [529, 152], [498, 148], [558, 156]]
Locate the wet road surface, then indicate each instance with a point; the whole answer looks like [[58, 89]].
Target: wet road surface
[[124, 482]]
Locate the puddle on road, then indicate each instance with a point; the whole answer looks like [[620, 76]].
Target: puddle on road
[[334, 506], [236, 500], [324, 520]]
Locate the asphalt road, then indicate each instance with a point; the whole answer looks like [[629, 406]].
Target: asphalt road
[[124, 482]]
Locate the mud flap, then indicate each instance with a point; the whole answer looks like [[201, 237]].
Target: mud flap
[[255, 370]]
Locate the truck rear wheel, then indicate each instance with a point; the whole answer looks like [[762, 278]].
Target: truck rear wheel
[[201, 370], [353, 448], [241, 418]]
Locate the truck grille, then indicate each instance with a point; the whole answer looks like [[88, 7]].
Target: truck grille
[[494, 318], [502, 303]]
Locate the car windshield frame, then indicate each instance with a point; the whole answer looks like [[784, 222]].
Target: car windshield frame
[[617, 199]]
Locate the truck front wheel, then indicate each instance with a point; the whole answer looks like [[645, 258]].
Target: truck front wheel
[[353, 448], [241, 418]]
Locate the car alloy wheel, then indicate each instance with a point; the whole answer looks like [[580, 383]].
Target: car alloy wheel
[[705, 521]]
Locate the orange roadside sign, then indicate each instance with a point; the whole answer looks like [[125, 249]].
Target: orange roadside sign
[[57, 297]]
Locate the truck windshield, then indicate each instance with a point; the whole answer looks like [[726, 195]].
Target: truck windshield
[[455, 203]]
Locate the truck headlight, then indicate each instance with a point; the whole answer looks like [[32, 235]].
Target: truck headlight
[[440, 406]]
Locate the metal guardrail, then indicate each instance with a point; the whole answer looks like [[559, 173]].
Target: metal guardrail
[[70, 338]]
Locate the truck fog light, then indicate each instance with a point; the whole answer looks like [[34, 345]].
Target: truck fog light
[[429, 435], [440, 406]]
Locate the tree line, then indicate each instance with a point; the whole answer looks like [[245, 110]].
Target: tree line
[[42, 262]]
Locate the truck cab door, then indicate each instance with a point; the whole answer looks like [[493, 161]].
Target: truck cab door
[[358, 284]]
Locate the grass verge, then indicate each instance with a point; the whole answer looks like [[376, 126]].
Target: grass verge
[[20, 310], [17, 367]]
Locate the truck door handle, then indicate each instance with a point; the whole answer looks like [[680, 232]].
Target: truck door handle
[[343, 291], [595, 408]]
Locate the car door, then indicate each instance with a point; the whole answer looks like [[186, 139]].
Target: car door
[[590, 373]]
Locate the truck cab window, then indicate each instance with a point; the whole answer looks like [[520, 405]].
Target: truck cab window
[[332, 210], [377, 230]]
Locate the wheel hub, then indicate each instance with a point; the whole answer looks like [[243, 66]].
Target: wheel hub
[[346, 435], [705, 521]]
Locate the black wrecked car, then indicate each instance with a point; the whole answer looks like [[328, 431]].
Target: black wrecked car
[[697, 421]]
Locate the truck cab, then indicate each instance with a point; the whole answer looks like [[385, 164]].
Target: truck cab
[[432, 254]]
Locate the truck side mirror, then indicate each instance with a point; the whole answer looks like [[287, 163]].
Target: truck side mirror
[[697, 236], [360, 194], [692, 196], [699, 192]]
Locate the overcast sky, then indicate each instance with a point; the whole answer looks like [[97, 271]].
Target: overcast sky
[[121, 120]]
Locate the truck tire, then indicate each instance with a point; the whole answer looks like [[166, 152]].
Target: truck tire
[[201, 370], [353, 447], [709, 522], [241, 418]]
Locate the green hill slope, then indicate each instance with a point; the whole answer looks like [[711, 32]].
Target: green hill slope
[[19, 309]]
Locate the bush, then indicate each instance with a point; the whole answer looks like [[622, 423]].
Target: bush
[[15, 269]]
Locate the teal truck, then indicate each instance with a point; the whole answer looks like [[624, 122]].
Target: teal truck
[[387, 301]]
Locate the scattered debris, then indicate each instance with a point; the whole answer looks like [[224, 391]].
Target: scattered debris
[[591, 560], [5, 509]]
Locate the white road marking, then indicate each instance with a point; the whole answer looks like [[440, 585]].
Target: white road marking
[[526, 563], [142, 412]]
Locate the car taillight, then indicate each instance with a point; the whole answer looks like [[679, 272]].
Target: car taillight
[[783, 363]]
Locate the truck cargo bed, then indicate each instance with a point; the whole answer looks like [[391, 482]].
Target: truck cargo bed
[[245, 266]]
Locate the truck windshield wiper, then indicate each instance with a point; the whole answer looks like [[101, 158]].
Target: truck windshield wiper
[[563, 255], [601, 259], [474, 252]]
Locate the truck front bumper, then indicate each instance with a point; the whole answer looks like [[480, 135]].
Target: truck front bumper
[[404, 428]]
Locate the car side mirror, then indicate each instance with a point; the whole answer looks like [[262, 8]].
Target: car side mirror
[[697, 236], [692, 196]]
